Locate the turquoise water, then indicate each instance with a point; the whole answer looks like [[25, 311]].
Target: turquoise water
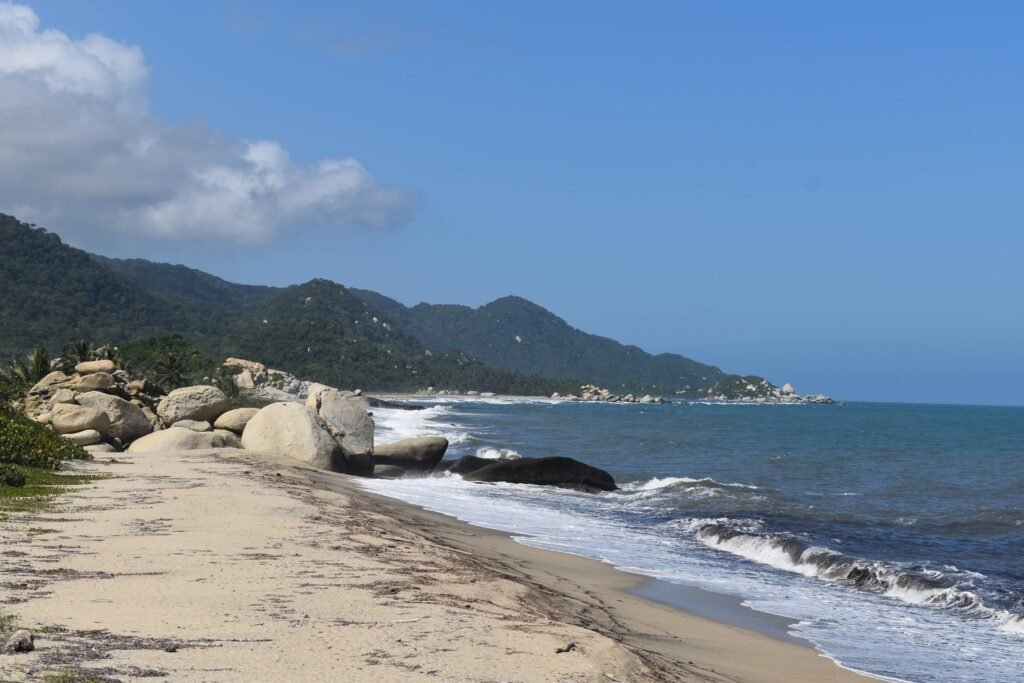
[[893, 534]]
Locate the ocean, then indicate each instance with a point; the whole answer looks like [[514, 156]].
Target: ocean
[[892, 535]]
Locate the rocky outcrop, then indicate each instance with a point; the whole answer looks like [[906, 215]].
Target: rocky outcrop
[[256, 379], [62, 401], [184, 440], [293, 430], [419, 454], [754, 389], [595, 394], [553, 471], [203, 403], [347, 421], [235, 420], [127, 420]]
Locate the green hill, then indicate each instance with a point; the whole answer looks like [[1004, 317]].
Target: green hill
[[516, 334]]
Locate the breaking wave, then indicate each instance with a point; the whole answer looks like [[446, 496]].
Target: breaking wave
[[915, 585]]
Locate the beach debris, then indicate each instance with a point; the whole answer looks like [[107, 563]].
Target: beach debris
[[568, 648], [21, 641]]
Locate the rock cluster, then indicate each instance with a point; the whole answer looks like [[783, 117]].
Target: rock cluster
[[257, 380], [98, 407], [594, 393], [763, 391]]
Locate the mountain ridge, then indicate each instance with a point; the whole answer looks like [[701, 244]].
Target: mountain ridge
[[60, 293]]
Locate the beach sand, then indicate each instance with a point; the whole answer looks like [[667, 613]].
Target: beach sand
[[223, 566]]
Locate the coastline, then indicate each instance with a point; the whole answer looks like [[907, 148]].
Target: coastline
[[155, 559]]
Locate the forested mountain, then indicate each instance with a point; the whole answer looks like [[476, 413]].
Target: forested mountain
[[55, 294], [516, 334]]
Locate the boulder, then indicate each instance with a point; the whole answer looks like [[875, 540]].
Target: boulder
[[127, 421], [352, 427], [788, 389], [21, 641], [421, 453], [97, 381], [184, 440], [193, 403], [86, 437], [235, 420], [466, 464], [194, 425], [100, 448], [554, 471], [93, 366], [69, 418], [388, 471], [55, 377], [294, 431], [313, 395]]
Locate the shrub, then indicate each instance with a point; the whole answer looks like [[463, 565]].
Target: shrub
[[12, 475], [25, 442]]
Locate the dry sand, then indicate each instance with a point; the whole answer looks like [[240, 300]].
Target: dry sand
[[220, 566]]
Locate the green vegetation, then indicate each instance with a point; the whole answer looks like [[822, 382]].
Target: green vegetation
[[25, 442], [11, 475]]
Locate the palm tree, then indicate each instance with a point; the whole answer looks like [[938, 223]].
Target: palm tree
[[169, 372], [30, 369]]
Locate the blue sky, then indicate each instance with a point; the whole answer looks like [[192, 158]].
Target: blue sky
[[826, 195]]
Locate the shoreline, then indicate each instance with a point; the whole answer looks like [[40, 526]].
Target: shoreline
[[304, 546]]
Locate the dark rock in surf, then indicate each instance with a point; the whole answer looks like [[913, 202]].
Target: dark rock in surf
[[562, 472], [466, 464]]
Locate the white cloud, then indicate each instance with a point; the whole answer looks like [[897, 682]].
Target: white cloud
[[80, 152]]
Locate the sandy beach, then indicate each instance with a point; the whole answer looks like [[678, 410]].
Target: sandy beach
[[223, 566]]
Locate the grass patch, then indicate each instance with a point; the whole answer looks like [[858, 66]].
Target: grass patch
[[40, 490]]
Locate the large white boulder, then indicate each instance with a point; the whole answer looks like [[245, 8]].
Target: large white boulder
[[68, 418], [352, 427], [235, 420], [127, 421], [294, 431], [184, 440], [202, 403]]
